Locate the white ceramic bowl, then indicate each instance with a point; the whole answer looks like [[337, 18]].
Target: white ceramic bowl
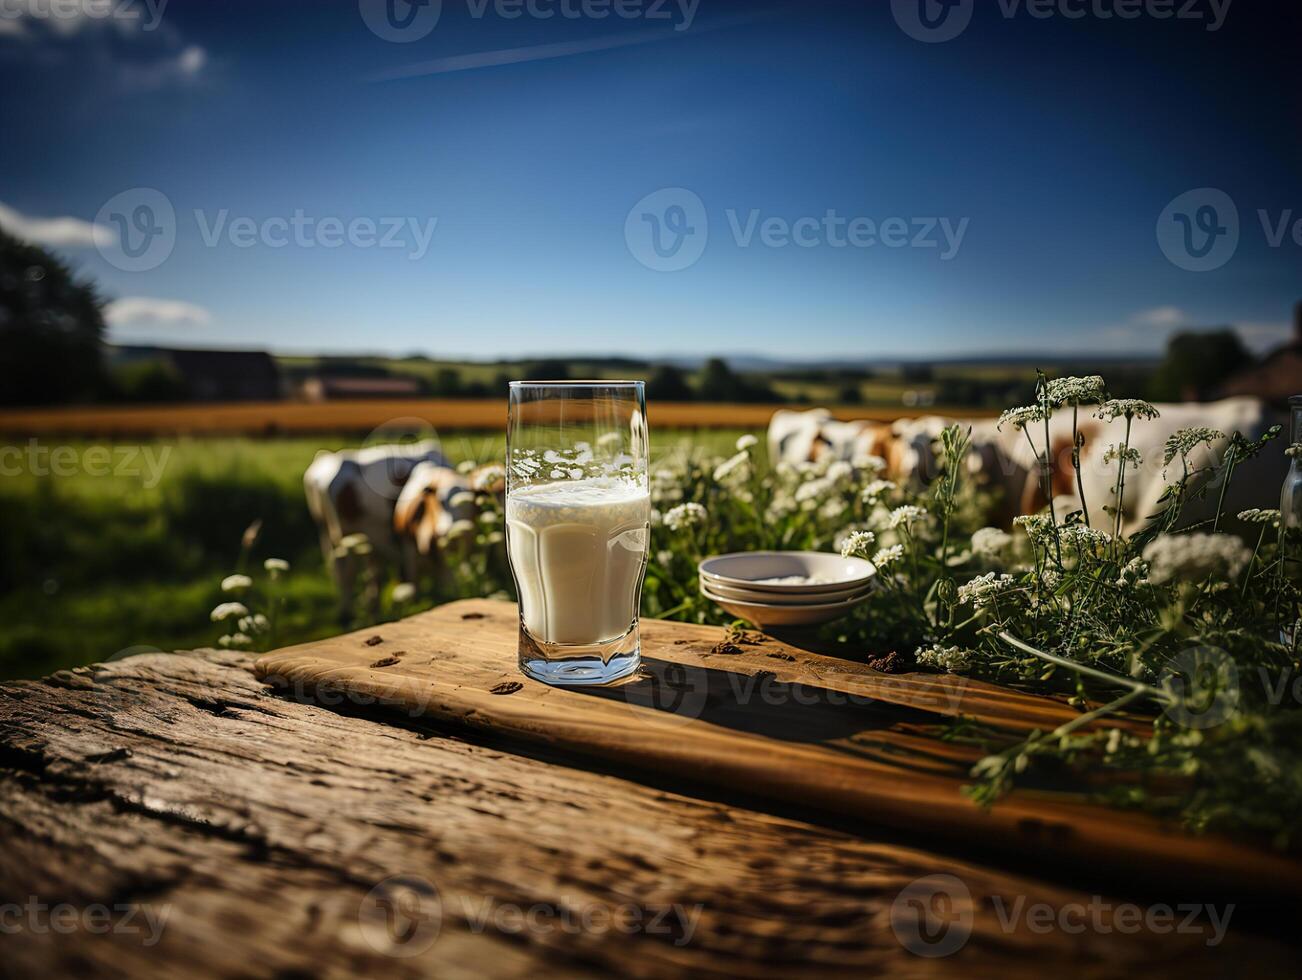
[[745, 569], [767, 614], [782, 598]]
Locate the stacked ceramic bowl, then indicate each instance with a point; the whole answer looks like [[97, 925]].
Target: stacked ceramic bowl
[[786, 588]]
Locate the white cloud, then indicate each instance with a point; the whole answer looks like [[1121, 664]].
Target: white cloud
[[134, 310], [1161, 316], [123, 47], [1264, 337], [55, 232]]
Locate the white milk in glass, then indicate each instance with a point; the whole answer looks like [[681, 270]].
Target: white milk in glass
[[578, 549]]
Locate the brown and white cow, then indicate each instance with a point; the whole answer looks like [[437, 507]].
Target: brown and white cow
[[1005, 460], [354, 492]]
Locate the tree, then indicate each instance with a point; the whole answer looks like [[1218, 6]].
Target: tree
[[548, 370], [51, 329], [1196, 363], [720, 384], [667, 384]]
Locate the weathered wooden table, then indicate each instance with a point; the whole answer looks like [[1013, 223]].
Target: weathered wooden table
[[401, 801]]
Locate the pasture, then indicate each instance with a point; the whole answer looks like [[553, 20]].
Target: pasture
[[116, 543]]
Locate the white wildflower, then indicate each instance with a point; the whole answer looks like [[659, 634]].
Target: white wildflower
[[1050, 578], [1128, 454], [685, 516], [1020, 418], [1084, 538], [906, 516], [840, 470], [1038, 527], [868, 464], [228, 610], [1074, 391], [1131, 408], [404, 592], [984, 589], [875, 490], [466, 466], [888, 556], [459, 529], [833, 509], [990, 541], [811, 490], [488, 517], [236, 583], [1184, 442], [1195, 556], [1257, 516], [657, 518], [857, 543], [276, 566], [951, 659], [1134, 573], [462, 498], [733, 470], [488, 477], [240, 641], [351, 542], [746, 442]]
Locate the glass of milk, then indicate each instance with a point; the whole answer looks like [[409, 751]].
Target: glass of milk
[[577, 525]]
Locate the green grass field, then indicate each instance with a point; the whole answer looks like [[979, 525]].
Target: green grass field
[[94, 563]]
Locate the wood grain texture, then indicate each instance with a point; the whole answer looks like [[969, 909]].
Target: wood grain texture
[[259, 824], [769, 719]]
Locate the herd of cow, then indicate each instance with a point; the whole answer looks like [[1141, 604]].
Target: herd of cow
[[406, 498]]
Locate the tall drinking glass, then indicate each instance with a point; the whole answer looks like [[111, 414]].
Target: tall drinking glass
[[577, 525]]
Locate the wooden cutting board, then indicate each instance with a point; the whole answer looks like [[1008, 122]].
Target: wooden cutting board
[[768, 719]]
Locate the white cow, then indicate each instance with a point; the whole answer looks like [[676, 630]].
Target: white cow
[[354, 492]]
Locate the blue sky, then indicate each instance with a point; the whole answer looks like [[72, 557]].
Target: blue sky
[[521, 145]]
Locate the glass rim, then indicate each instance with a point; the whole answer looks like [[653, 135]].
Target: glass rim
[[577, 382]]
